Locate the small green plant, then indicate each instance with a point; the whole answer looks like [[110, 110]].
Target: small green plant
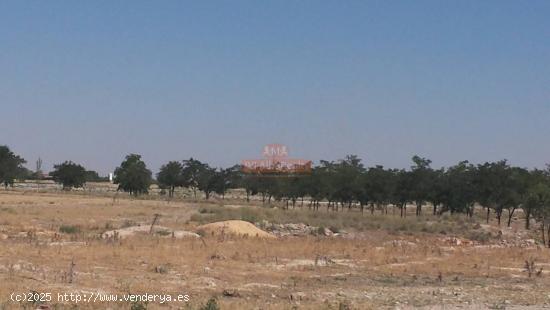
[[163, 233], [128, 223], [481, 236], [161, 269], [69, 229], [138, 305], [108, 226], [211, 304]]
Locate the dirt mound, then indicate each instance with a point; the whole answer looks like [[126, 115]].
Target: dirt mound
[[235, 227]]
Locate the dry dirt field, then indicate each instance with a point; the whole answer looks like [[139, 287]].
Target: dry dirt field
[[57, 243]]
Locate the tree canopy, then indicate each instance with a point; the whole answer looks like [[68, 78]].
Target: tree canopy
[[69, 175], [132, 175], [11, 166]]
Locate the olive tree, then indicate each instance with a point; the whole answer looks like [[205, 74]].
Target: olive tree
[[69, 175], [132, 175], [11, 166]]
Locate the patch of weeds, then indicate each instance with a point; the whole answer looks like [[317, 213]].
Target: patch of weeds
[[8, 210], [162, 269], [481, 236], [163, 233], [321, 230], [249, 216], [138, 305], [211, 304], [387, 280], [69, 229], [128, 223], [206, 210]]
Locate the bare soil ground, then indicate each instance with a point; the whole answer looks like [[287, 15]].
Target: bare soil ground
[[53, 242]]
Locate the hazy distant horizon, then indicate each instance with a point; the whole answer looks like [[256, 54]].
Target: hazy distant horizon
[[94, 81]]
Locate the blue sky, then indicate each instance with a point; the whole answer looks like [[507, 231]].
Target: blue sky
[[91, 81]]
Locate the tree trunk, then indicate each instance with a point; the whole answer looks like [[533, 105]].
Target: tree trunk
[[510, 215], [488, 212], [542, 230], [527, 218]]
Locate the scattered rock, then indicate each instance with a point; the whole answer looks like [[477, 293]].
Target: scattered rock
[[217, 256], [297, 296], [231, 293], [327, 232], [294, 229]]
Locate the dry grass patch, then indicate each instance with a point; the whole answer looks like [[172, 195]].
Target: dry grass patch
[[55, 247]]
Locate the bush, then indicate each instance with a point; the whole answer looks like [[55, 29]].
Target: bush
[[163, 233], [138, 305], [69, 229], [481, 236], [211, 304]]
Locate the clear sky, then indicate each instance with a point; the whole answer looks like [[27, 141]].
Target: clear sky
[[91, 81]]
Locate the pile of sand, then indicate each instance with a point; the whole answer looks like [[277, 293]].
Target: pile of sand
[[235, 227]]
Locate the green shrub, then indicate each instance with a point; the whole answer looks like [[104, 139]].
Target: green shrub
[[481, 236], [69, 229], [163, 233], [138, 305], [211, 304]]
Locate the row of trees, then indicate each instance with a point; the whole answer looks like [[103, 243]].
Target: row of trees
[[347, 183], [197, 175], [497, 186], [68, 173]]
